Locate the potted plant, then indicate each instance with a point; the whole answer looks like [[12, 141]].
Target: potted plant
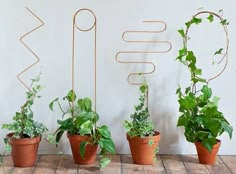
[[143, 140], [200, 115], [82, 131], [25, 132]]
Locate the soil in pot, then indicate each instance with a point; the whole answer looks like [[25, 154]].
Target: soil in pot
[[24, 150], [204, 156], [142, 152], [90, 150]]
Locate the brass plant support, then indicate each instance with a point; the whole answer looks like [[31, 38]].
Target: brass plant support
[[22, 41], [136, 41], [94, 26], [225, 55]]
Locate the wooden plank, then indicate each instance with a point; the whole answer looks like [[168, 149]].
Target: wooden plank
[[47, 164], [66, 165], [7, 165], [157, 167], [128, 167], [230, 162], [114, 167], [218, 168], [192, 165], [89, 169], [173, 164]]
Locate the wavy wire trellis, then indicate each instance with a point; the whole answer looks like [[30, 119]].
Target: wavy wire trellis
[[94, 26], [21, 40], [136, 41]]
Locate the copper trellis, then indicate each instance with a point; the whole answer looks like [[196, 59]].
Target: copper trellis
[[94, 26], [21, 40], [225, 55], [143, 52]]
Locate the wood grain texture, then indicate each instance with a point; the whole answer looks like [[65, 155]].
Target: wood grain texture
[[218, 168], [47, 164], [192, 165], [123, 164], [128, 167], [66, 165], [90, 169], [173, 164], [114, 167], [230, 162]]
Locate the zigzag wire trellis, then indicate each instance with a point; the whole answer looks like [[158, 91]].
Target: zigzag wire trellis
[[94, 26], [135, 41], [22, 41]]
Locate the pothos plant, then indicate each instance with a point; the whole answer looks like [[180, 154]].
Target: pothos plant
[[200, 116], [140, 124], [24, 125], [82, 120]]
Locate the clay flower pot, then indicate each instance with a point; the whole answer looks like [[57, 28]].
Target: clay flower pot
[[90, 150], [24, 150], [141, 151], [204, 156]]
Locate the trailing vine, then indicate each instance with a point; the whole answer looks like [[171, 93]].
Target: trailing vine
[[200, 116]]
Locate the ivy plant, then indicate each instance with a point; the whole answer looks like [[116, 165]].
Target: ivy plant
[[83, 120], [24, 125], [140, 124], [200, 116]]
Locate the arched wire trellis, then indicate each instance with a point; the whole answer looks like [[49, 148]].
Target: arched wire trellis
[[94, 26], [225, 55], [35, 55], [136, 41]]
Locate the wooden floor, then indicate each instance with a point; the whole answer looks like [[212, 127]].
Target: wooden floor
[[123, 164]]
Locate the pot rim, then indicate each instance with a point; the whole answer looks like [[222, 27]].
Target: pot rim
[[22, 141], [156, 136]]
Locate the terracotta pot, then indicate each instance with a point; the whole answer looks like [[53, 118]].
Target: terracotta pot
[[141, 151], [204, 156], [24, 150], [90, 150]]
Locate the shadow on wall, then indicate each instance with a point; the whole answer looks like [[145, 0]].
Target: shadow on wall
[[163, 114]]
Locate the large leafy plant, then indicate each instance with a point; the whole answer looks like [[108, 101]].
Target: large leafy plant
[[24, 125], [200, 116], [83, 120], [140, 124]]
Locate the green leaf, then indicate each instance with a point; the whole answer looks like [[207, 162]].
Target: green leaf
[[104, 131], [82, 148], [104, 162], [224, 22], [227, 128], [183, 121], [219, 51], [71, 96], [181, 32], [188, 102], [107, 145], [150, 142], [207, 92], [86, 128], [88, 104], [58, 136], [210, 17], [209, 143], [52, 103], [196, 20]]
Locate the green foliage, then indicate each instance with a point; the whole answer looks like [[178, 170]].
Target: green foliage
[[200, 116], [23, 123], [83, 121], [140, 125]]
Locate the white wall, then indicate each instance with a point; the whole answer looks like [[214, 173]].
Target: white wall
[[115, 97]]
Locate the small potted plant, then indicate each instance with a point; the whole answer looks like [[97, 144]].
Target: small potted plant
[[200, 116], [25, 133], [143, 140], [82, 131]]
